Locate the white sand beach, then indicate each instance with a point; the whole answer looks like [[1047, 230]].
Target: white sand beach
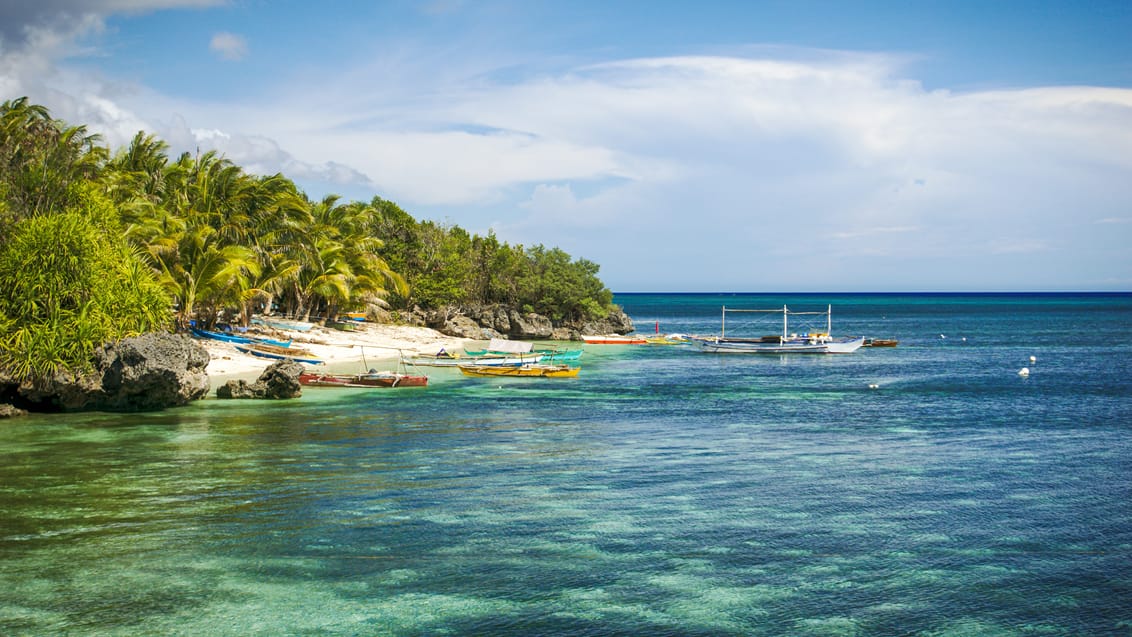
[[377, 346]]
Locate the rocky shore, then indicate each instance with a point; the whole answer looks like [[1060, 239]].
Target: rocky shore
[[155, 371]]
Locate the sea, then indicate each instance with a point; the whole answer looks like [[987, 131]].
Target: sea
[[927, 489]]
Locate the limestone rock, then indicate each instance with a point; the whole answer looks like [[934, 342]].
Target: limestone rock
[[148, 372], [280, 380]]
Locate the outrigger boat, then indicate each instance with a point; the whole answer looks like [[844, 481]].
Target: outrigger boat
[[809, 343], [506, 347], [521, 371], [614, 339], [445, 359], [371, 379], [264, 350], [236, 338]]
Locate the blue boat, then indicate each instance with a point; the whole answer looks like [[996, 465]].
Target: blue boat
[[236, 338], [279, 353]]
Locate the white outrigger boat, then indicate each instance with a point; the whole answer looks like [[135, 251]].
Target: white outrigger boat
[[808, 343]]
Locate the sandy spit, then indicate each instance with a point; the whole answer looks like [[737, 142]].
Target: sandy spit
[[379, 346]]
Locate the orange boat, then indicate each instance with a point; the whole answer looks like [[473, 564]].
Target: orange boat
[[613, 339]]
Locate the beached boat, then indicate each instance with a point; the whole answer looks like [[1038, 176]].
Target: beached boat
[[371, 379], [237, 338], [263, 350], [537, 370], [613, 339], [786, 343], [354, 316], [283, 324]]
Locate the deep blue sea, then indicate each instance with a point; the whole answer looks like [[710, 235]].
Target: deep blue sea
[[663, 492]]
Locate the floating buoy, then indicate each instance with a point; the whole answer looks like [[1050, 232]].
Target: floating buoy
[[1033, 359], [1025, 371], [873, 385], [964, 339], [942, 336]]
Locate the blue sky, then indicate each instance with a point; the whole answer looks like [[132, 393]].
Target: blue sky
[[753, 146]]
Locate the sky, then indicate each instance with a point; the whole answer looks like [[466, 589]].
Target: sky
[[763, 146]]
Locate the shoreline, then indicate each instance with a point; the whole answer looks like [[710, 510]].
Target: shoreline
[[376, 345]]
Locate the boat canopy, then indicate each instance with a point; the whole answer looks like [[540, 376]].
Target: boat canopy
[[509, 347]]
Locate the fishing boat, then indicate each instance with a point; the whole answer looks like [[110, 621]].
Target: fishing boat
[[880, 342], [446, 359], [236, 338], [283, 324], [505, 347], [372, 378], [533, 370], [263, 350], [667, 339], [786, 343], [613, 339]]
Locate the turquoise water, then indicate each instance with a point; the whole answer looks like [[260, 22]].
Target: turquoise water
[[663, 492]]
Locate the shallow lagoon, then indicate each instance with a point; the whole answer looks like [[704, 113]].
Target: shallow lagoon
[[663, 492]]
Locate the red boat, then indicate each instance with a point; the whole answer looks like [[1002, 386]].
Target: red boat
[[370, 379]]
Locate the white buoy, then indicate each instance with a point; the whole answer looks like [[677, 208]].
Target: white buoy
[[1025, 371], [942, 336], [873, 385], [1033, 359]]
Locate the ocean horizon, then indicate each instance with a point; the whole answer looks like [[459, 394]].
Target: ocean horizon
[[927, 489]]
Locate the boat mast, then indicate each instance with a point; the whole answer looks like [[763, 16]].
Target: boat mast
[[829, 320], [723, 323], [784, 322]]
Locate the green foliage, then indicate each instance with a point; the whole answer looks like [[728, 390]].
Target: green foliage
[[66, 288], [94, 248]]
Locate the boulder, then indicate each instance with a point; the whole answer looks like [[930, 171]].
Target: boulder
[[147, 372], [280, 380], [8, 411], [462, 327], [530, 326]]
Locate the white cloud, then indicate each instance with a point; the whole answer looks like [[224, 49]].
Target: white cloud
[[769, 171], [228, 46]]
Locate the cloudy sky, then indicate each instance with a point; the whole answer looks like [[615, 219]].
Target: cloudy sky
[[787, 145]]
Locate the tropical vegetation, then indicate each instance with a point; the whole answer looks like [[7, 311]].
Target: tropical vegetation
[[98, 245]]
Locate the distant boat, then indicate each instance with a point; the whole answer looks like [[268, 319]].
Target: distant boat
[[236, 338], [669, 339], [613, 339], [536, 370], [810, 343], [264, 350], [370, 379], [880, 342]]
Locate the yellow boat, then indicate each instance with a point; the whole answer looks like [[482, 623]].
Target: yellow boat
[[521, 371]]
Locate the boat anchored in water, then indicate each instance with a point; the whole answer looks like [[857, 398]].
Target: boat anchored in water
[[786, 343], [530, 370]]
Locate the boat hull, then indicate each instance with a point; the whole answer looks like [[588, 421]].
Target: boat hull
[[485, 361], [377, 380], [278, 353], [724, 346], [521, 371], [235, 338], [614, 340]]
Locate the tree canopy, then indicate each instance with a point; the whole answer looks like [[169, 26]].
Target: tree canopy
[[95, 246]]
